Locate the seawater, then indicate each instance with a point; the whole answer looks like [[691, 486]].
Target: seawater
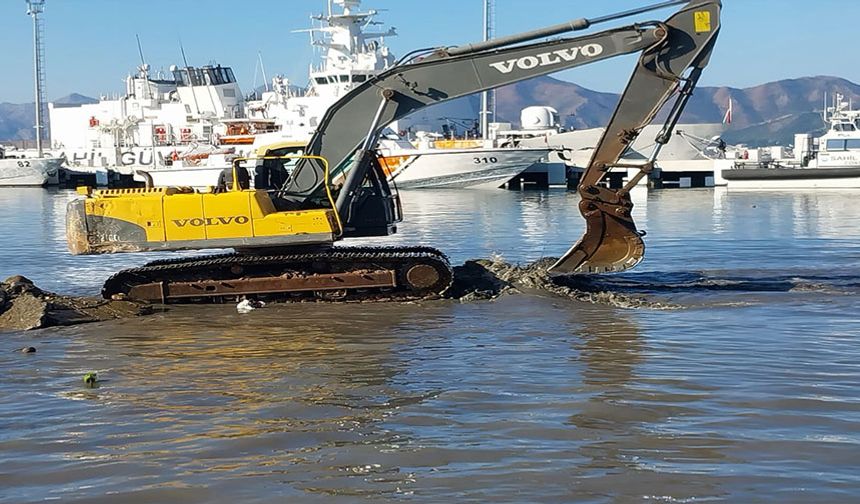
[[748, 391]]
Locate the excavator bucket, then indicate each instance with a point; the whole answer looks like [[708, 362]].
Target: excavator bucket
[[610, 244], [670, 68]]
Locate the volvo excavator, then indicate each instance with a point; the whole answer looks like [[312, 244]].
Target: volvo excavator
[[284, 236]]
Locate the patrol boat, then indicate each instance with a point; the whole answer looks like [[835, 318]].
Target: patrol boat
[[831, 161], [20, 170]]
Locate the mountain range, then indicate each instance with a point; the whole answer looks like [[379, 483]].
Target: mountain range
[[768, 114]]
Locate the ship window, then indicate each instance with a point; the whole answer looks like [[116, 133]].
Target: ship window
[[196, 76], [852, 143], [213, 76], [320, 80], [344, 78], [181, 77], [835, 145], [359, 78]]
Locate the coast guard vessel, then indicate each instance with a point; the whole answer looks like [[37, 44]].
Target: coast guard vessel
[[831, 161]]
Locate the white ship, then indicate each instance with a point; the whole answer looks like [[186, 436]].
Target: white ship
[[156, 119], [19, 170], [831, 161], [484, 167]]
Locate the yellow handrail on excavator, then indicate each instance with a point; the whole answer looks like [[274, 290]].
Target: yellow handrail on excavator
[[235, 186]]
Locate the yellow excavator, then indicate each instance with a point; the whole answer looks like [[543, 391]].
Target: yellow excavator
[[283, 230]]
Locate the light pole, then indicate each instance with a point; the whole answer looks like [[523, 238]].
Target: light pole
[[34, 9]]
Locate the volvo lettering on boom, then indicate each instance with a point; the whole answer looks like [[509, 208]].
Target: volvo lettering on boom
[[548, 58]]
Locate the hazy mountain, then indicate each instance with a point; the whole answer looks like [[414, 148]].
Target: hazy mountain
[[75, 99], [578, 107], [16, 121], [767, 114], [779, 131]]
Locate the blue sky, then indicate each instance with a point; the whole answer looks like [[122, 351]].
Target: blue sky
[[91, 45]]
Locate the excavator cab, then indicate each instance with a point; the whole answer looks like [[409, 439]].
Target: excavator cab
[[374, 210], [272, 170]]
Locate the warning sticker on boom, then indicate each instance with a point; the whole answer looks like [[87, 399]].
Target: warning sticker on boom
[[703, 21]]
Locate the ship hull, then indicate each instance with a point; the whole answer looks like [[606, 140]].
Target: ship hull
[[793, 178], [28, 172], [461, 168]]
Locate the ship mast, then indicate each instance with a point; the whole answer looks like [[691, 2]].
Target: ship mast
[[34, 8], [488, 98]]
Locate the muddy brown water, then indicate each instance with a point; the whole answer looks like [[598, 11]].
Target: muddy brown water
[[740, 384]]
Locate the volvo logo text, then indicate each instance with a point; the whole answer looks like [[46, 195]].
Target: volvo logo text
[[211, 221], [548, 58]]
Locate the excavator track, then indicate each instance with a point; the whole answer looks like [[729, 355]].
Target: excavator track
[[335, 274]]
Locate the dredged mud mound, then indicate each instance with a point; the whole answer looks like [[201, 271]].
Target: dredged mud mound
[[483, 279], [24, 306]]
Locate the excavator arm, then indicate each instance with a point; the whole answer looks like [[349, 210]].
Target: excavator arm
[[674, 52], [611, 242]]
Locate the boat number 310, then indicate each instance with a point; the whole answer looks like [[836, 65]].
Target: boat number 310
[[485, 160], [23, 164]]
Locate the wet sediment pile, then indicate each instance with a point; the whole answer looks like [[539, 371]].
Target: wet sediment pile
[[482, 279], [24, 306]]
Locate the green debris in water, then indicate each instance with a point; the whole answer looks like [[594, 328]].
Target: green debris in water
[[90, 379]]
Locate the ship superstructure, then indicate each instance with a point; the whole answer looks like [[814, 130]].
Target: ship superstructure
[[351, 54], [155, 116]]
